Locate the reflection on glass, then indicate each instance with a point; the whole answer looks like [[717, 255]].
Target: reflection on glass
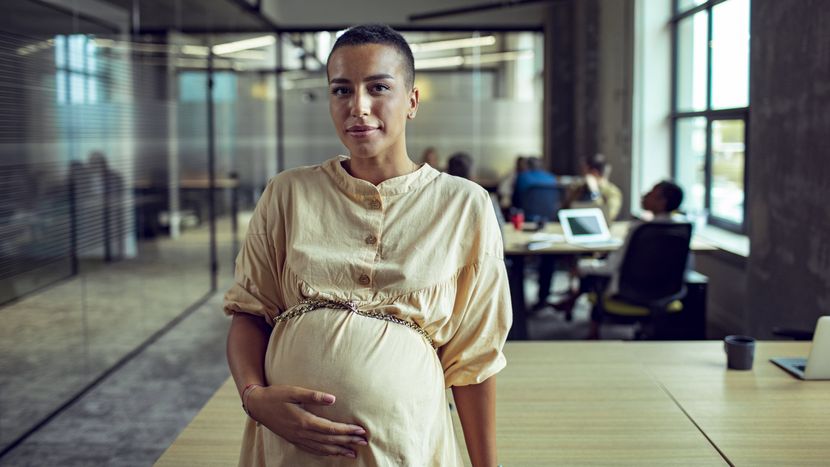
[[728, 170], [480, 93], [730, 54], [683, 5], [691, 62], [691, 162]]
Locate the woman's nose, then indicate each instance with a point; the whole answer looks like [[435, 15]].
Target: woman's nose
[[361, 104]]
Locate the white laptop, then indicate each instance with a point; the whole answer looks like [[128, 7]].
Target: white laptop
[[817, 365], [586, 227]]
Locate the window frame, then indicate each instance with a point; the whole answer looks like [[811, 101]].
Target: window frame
[[711, 115]]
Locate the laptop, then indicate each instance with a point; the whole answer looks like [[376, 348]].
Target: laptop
[[817, 365], [586, 227]]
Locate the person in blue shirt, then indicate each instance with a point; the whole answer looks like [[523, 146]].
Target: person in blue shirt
[[533, 176]]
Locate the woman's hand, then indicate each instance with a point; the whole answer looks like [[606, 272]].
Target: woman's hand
[[280, 409]]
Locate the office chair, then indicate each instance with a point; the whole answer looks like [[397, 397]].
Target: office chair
[[540, 201], [651, 280]]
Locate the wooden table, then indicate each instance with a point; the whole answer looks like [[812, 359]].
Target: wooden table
[[516, 250], [593, 403], [759, 417]]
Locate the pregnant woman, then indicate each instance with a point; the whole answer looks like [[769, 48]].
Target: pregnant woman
[[366, 286]]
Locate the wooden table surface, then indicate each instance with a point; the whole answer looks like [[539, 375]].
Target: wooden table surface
[[630, 403], [759, 417], [515, 242]]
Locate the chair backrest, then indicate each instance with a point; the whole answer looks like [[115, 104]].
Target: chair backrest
[[655, 261], [540, 201]]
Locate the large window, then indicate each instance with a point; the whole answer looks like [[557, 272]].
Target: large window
[[710, 107]]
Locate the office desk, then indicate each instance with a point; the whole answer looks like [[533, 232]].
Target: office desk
[[759, 417], [516, 250], [561, 403]]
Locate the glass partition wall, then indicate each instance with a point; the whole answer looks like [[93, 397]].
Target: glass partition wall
[[130, 164], [108, 230], [481, 93]]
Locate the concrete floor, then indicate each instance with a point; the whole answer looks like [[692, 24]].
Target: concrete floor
[[134, 414]]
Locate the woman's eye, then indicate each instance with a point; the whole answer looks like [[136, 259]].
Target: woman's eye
[[379, 87], [340, 91]]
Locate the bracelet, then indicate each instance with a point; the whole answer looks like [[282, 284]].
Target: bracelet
[[245, 393]]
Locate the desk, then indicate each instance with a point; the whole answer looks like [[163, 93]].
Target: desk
[[515, 249], [592, 403], [759, 417]]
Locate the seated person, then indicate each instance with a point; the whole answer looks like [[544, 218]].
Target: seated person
[[507, 184], [595, 190], [534, 176], [601, 275], [430, 156], [460, 165]]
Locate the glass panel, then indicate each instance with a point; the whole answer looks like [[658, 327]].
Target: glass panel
[[683, 5], [476, 89], [730, 54], [690, 170], [98, 246], [728, 170], [691, 62]]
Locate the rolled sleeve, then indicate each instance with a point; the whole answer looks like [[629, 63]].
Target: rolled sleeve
[[483, 307], [475, 352]]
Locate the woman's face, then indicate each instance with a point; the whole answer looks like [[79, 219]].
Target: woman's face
[[370, 100]]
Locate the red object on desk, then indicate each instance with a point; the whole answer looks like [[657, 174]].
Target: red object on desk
[[518, 219]]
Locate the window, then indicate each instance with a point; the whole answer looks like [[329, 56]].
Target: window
[[710, 107], [76, 60]]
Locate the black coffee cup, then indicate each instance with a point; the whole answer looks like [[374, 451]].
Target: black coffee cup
[[740, 352]]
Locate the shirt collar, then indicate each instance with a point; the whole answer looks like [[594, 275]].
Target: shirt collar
[[391, 187]]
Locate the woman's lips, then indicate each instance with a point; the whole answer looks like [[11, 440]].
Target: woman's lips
[[361, 131]]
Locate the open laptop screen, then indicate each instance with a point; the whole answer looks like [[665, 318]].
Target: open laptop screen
[[584, 225]]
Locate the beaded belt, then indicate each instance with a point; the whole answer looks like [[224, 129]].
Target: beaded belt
[[308, 305]]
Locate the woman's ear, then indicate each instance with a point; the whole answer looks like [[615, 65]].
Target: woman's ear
[[414, 97]]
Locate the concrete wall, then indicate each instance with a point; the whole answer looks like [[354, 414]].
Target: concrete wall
[[616, 50], [789, 173]]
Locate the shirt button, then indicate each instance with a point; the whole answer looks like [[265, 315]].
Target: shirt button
[[364, 279], [374, 204], [371, 240]]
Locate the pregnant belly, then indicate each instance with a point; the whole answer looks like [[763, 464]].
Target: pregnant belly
[[385, 377]]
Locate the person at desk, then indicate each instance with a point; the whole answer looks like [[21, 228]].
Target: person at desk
[[345, 338], [430, 156], [534, 176], [460, 164], [601, 275], [595, 190], [508, 183]]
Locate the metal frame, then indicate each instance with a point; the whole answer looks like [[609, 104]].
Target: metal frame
[[711, 115]]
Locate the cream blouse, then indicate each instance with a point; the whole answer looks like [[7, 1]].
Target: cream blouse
[[424, 247]]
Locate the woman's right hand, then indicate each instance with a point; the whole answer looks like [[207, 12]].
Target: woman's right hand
[[280, 409]]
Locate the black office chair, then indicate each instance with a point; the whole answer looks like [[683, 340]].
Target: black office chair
[[651, 280], [540, 201]]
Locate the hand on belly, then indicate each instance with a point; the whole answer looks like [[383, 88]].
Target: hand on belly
[[387, 377], [282, 409]]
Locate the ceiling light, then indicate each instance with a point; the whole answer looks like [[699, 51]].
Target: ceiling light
[[195, 50], [472, 60], [453, 44], [253, 43], [443, 62], [498, 57]]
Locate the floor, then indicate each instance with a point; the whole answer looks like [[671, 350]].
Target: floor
[[131, 417]]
